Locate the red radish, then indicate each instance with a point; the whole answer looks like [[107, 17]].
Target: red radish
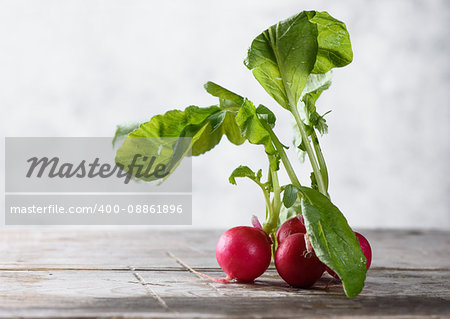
[[365, 246], [297, 266], [244, 253], [291, 226], [367, 251]]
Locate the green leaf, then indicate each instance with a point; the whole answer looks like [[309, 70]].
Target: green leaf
[[123, 130], [335, 49], [226, 97], [282, 57], [250, 120], [320, 123], [266, 115], [201, 128], [334, 242], [312, 117], [252, 128], [245, 171], [289, 195], [315, 85], [274, 162]]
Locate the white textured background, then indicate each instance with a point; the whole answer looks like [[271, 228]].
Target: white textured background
[[78, 68]]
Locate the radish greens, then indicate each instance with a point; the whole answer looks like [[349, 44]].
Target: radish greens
[[292, 60]]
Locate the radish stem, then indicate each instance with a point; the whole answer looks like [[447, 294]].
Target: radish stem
[[309, 149]]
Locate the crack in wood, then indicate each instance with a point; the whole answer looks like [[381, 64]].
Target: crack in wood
[[149, 290], [192, 271]]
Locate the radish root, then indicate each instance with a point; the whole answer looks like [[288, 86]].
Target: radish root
[[225, 280]]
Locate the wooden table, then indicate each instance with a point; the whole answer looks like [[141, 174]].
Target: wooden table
[[134, 273]]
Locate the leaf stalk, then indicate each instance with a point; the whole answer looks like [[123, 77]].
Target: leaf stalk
[[280, 149], [309, 149]]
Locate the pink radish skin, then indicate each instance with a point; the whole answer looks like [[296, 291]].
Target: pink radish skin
[[367, 251], [244, 253], [297, 266], [293, 225]]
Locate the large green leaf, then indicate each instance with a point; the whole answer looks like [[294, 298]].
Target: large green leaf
[[282, 57], [197, 130], [200, 129], [334, 242]]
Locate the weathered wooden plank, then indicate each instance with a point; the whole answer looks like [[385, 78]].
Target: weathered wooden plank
[[179, 284], [78, 293], [311, 306], [86, 249], [183, 294], [379, 282], [410, 276], [387, 293], [67, 284], [117, 249], [410, 249]]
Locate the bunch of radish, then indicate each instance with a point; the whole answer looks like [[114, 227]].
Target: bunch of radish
[[293, 61], [244, 253]]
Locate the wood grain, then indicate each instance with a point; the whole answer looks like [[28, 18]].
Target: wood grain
[[132, 274]]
